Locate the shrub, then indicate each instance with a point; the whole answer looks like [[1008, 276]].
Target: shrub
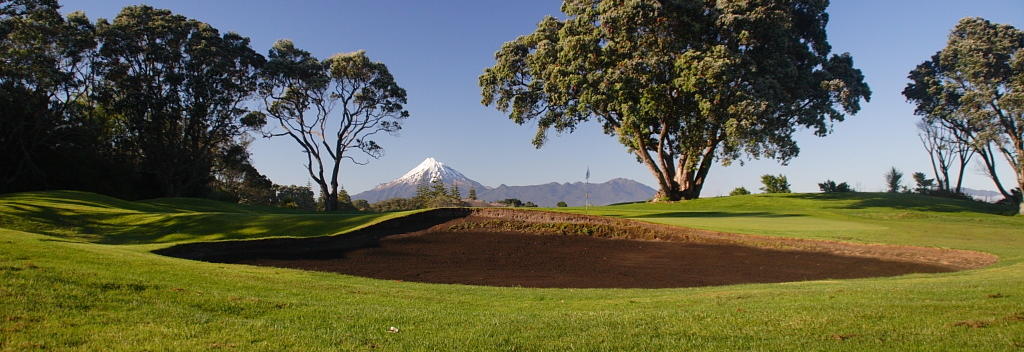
[[830, 186], [361, 205], [775, 184], [739, 191], [893, 179], [562, 205], [396, 204], [512, 202], [924, 184]]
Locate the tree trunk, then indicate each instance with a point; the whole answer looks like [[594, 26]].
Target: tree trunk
[[1020, 187], [331, 202], [988, 157]]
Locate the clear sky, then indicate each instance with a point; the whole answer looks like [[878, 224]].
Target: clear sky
[[437, 49]]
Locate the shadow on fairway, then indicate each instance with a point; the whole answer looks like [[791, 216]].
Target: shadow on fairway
[[720, 214], [902, 201]]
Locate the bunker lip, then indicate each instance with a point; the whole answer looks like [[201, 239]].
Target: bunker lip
[[511, 247]]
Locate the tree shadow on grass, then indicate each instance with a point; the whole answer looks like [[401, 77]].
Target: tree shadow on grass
[[79, 198], [141, 228], [903, 201], [719, 214]]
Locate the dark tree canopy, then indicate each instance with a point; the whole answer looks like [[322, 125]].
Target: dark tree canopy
[[44, 62], [145, 105], [178, 86], [680, 83]]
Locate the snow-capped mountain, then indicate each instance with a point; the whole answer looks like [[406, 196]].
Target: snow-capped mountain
[[546, 195], [424, 173]]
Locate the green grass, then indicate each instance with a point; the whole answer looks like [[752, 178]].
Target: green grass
[[99, 219], [76, 274]]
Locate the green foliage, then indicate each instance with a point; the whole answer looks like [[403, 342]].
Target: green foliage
[[680, 85], [343, 202], [397, 204], [775, 184], [296, 197], [204, 78], [893, 180], [975, 86], [143, 105], [306, 99], [529, 205], [739, 191], [562, 205], [436, 195], [48, 138], [362, 205], [511, 202], [830, 186], [924, 184], [472, 193], [238, 180]]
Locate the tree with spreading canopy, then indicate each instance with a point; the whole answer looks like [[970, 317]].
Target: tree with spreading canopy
[[680, 83], [180, 87], [330, 108], [975, 86]]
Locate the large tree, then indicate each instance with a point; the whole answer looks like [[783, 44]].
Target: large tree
[[179, 87], [44, 60], [681, 83], [975, 85], [330, 108]]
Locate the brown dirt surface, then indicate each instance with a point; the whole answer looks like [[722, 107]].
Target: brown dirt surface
[[506, 247], [514, 259]]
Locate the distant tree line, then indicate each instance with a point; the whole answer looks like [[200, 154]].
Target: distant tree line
[[922, 185], [147, 104], [780, 184], [969, 98], [428, 195], [155, 104], [436, 195]]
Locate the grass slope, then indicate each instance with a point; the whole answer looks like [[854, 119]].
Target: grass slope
[[76, 274], [94, 218]]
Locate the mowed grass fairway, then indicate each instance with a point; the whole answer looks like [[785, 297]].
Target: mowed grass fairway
[[76, 273]]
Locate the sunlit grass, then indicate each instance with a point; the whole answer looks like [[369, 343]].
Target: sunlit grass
[[76, 274]]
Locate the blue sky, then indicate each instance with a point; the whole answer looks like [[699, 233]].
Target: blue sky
[[437, 49]]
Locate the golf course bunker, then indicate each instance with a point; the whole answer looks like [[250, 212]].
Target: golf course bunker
[[508, 247]]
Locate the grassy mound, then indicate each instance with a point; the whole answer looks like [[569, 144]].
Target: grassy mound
[[95, 218], [76, 274]]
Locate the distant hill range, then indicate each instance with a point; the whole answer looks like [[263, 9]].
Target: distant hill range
[[986, 195], [546, 195]]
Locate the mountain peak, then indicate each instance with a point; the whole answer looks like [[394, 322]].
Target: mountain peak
[[429, 166], [430, 169]]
